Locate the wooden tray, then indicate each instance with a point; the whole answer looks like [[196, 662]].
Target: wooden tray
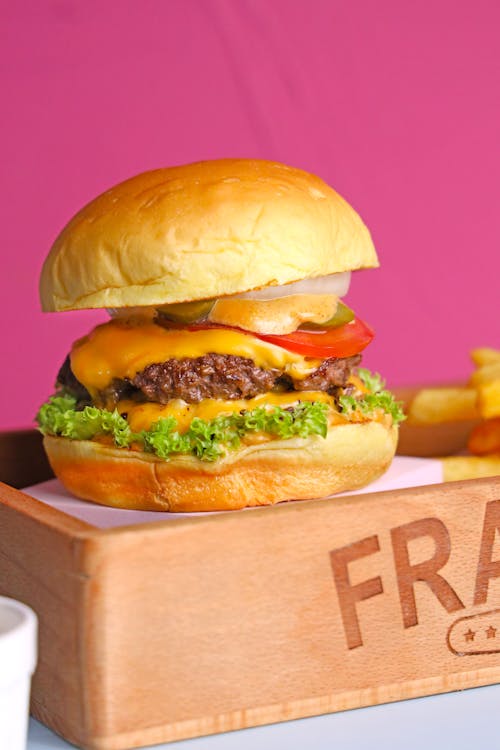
[[435, 439], [186, 627]]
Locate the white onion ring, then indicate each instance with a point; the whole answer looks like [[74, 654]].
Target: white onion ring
[[335, 283]]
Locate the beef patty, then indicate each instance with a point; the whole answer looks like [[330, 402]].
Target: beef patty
[[211, 376], [331, 374], [220, 376]]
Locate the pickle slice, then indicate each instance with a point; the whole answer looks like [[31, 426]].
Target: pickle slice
[[187, 312], [343, 315]]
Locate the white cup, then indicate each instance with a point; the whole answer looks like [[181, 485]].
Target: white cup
[[18, 655]]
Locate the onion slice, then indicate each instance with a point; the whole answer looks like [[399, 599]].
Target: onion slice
[[335, 283]]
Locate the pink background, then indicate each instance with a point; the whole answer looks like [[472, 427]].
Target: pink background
[[394, 103]]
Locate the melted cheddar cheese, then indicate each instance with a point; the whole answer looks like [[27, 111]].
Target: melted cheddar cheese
[[141, 416], [118, 350]]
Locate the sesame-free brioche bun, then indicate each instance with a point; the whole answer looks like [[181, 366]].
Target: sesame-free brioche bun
[[200, 231], [351, 456]]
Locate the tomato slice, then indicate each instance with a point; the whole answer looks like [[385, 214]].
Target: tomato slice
[[344, 341]]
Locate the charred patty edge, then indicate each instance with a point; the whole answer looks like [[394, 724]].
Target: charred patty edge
[[215, 376]]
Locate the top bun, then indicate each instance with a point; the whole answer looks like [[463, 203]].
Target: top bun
[[202, 230]]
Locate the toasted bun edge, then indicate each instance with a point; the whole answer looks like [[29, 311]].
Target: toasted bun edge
[[350, 457]]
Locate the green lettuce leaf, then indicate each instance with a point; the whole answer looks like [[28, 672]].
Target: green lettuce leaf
[[378, 398], [206, 439], [59, 417]]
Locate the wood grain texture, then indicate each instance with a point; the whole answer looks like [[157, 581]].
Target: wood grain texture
[[181, 628], [39, 565]]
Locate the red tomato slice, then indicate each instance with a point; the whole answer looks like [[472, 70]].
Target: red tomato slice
[[344, 341]]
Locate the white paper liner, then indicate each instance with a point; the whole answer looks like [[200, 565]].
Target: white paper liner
[[404, 472]]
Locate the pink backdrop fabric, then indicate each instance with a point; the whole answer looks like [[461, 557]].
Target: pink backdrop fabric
[[396, 104]]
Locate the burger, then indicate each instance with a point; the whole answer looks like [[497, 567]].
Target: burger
[[228, 373]]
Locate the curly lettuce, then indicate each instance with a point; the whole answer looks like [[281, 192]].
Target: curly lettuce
[[376, 398], [58, 416], [208, 440]]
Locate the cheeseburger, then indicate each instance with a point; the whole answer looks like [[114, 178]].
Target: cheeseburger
[[227, 374]]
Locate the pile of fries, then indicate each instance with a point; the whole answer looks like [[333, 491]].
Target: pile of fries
[[478, 402]]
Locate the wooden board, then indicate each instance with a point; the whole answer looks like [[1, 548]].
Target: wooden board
[[187, 627]]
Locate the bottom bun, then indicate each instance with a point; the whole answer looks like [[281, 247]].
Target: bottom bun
[[351, 456]]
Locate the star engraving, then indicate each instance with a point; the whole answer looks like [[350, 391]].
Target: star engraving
[[491, 632], [469, 635]]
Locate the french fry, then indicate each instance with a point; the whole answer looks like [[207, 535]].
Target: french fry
[[485, 374], [488, 399], [435, 405], [445, 420], [456, 468], [485, 356], [485, 438]]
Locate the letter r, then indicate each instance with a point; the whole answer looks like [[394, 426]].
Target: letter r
[[427, 571]]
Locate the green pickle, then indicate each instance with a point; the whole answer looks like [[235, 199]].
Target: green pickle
[[187, 312], [343, 315]]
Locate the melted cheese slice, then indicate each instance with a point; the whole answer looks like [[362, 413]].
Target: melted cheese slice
[[118, 350], [141, 416]]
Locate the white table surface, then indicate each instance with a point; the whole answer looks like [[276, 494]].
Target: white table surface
[[467, 720]]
